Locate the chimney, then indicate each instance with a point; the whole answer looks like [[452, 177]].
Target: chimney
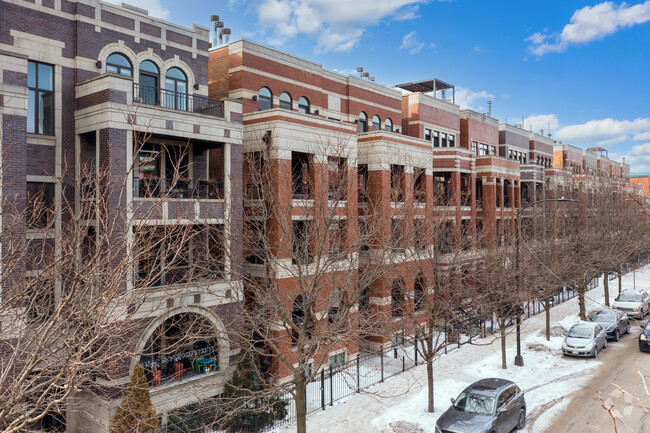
[[489, 113], [226, 36], [215, 19]]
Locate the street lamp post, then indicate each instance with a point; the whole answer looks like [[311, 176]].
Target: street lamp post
[[519, 359]]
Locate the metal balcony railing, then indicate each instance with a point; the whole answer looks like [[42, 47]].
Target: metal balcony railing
[[301, 190], [172, 188], [148, 95]]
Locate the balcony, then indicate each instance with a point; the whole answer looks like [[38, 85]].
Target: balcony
[[176, 100], [301, 191], [178, 189]]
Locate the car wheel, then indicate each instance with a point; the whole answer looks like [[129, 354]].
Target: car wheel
[[617, 335], [627, 328], [521, 423], [595, 352], [605, 344]]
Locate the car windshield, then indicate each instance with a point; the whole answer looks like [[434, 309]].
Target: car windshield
[[581, 332], [605, 317], [647, 326], [475, 403], [629, 297]]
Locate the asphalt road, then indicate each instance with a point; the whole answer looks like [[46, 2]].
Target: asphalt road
[[620, 362]]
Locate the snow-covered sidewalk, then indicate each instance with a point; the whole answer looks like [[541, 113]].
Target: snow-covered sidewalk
[[399, 404]]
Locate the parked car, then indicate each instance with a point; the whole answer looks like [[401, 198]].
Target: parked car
[[636, 303], [585, 339], [489, 405], [644, 338], [616, 323]]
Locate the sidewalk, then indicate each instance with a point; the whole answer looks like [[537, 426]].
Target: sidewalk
[[545, 376]]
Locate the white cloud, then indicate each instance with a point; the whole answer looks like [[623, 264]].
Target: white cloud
[[336, 25], [638, 157], [411, 43], [466, 98], [604, 132], [541, 121], [154, 7], [589, 24]]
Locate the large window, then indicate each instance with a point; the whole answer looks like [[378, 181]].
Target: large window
[[388, 125], [39, 204], [376, 123], [363, 122], [118, 64], [285, 101], [303, 105], [40, 107], [265, 99], [149, 83], [176, 89], [436, 139]]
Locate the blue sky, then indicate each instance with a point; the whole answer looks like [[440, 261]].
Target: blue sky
[[580, 66]]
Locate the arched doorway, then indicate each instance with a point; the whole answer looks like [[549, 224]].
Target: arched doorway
[[182, 346]]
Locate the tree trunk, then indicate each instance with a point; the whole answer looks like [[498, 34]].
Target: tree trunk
[[301, 404], [504, 365], [430, 383], [547, 313], [619, 280], [606, 287], [581, 301]]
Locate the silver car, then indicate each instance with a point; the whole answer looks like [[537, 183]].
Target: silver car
[[585, 339], [487, 406], [635, 303]]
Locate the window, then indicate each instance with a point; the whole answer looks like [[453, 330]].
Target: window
[[397, 298], [337, 360], [443, 139], [436, 139], [418, 292], [452, 142], [510, 154], [376, 123], [265, 101], [118, 64], [40, 106], [176, 89], [475, 147], [363, 122], [303, 105], [149, 83], [427, 134], [39, 204], [285, 101], [388, 125], [493, 150]]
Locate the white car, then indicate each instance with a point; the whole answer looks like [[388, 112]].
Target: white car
[[635, 303]]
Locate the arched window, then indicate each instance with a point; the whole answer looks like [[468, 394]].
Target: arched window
[[265, 97], [118, 64], [303, 105], [149, 76], [376, 123], [363, 122], [389, 125], [397, 298], [176, 89], [285, 101], [418, 292]]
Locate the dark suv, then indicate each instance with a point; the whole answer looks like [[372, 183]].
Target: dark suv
[[644, 338], [489, 405]]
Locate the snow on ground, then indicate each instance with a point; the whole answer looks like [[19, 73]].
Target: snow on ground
[[399, 404]]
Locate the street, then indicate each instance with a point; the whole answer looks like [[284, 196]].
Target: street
[[584, 414]]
